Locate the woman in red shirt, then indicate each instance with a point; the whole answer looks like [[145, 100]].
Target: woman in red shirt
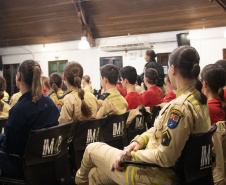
[[213, 80], [170, 95], [154, 95]]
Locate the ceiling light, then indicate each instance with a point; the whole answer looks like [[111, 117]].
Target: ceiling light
[[83, 44]]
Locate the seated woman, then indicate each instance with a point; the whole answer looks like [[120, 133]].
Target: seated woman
[[86, 84], [77, 104], [170, 95], [15, 97], [32, 111], [154, 95], [163, 143], [4, 107], [55, 83], [213, 80], [223, 64]]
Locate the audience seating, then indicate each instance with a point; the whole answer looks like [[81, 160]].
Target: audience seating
[[194, 167], [3, 122], [155, 112], [46, 158]]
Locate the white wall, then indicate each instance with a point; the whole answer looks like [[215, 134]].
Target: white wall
[[208, 42]]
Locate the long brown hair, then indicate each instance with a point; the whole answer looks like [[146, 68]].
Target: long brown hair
[[2, 89], [55, 81], [214, 76], [73, 73], [31, 76], [186, 60]]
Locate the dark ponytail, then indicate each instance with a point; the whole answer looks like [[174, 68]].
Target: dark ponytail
[[74, 72], [221, 95], [2, 89], [55, 81], [186, 60]]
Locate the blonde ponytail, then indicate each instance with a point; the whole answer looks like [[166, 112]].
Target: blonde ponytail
[[2, 89], [36, 88]]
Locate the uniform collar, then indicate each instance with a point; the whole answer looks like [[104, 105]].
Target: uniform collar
[[25, 95], [185, 90], [112, 90]]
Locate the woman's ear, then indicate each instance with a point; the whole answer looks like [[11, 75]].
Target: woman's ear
[[64, 77], [204, 84], [172, 70], [18, 76]]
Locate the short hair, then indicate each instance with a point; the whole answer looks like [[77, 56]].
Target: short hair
[[110, 72], [129, 73], [151, 54], [152, 75], [223, 64]]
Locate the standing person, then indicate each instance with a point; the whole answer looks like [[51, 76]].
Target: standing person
[[32, 111], [111, 101], [129, 77], [55, 92], [77, 103], [170, 95], [213, 80], [163, 143], [223, 64], [154, 95], [151, 63], [86, 84], [4, 107]]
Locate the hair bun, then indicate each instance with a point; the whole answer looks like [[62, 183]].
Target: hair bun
[[195, 70]]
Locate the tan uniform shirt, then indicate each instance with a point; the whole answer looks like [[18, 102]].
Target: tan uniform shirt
[[176, 121], [53, 96], [115, 103], [71, 108], [88, 88], [5, 112], [14, 99], [219, 149], [6, 96]]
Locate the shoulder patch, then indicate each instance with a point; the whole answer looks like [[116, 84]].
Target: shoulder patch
[[174, 118], [166, 138], [104, 96]]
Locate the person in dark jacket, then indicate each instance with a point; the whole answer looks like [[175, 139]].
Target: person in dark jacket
[[151, 63], [32, 111]]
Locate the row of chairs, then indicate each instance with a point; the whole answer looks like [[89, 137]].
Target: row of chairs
[[53, 154]]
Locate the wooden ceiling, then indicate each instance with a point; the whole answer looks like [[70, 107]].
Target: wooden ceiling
[[24, 22]]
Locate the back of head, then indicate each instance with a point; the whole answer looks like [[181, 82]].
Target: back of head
[[186, 60], [73, 73], [139, 81], [2, 89], [55, 82], [152, 75], [87, 79], [214, 76], [223, 64], [151, 54], [129, 73], [31, 76], [46, 83], [110, 72]]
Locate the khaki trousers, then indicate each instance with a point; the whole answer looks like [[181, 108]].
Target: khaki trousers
[[98, 159]]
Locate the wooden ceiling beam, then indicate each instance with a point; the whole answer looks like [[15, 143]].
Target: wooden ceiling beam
[[84, 23]]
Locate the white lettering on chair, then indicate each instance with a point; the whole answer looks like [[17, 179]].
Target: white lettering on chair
[[53, 148], [205, 158], [118, 129]]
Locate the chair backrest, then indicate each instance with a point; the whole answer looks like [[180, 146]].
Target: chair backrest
[[46, 156], [113, 131], [86, 132], [194, 165], [155, 112], [3, 122], [136, 127]]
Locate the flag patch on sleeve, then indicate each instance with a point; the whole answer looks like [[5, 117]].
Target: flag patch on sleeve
[[174, 118]]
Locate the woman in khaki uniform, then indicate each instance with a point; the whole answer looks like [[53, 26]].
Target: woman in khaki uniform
[[86, 84], [55, 82], [163, 143], [4, 107], [14, 99], [77, 104]]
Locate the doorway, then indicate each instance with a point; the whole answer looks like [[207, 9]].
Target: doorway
[[9, 73]]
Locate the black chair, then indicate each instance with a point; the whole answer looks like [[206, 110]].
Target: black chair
[[194, 165], [86, 132], [155, 112], [136, 127], [45, 159], [3, 122], [113, 131]]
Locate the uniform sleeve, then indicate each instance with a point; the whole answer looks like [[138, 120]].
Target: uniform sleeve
[[144, 138], [104, 109], [173, 141], [66, 113]]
